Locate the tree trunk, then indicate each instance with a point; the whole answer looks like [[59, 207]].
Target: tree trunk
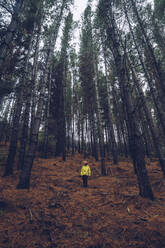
[[111, 129], [61, 135], [98, 114], [47, 116], [120, 122], [94, 143], [28, 88], [14, 134], [25, 128]]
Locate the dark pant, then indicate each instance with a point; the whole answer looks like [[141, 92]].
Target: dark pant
[[85, 181]]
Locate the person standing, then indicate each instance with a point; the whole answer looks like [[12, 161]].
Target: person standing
[[85, 172]]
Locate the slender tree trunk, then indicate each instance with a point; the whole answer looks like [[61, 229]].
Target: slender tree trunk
[[61, 135], [25, 128], [93, 137], [120, 121], [63, 120], [111, 129], [107, 141], [73, 127], [28, 87], [82, 135], [73, 141], [146, 134], [3, 133], [119, 138], [47, 116], [79, 134], [98, 114], [14, 134]]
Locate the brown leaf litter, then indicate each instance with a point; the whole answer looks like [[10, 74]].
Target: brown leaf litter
[[58, 212]]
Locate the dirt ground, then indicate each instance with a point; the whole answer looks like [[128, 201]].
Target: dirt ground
[[58, 212]]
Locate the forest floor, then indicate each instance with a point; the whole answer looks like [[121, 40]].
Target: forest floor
[[58, 212]]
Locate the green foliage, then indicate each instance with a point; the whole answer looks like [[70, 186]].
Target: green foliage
[[31, 14], [86, 68], [66, 34], [159, 6]]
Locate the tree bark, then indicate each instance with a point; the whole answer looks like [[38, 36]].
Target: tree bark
[[14, 135], [111, 129], [98, 114]]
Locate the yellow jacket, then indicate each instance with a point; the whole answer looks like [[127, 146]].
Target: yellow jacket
[[85, 170]]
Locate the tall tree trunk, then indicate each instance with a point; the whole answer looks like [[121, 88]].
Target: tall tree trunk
[[25, 128], [29, 86], [63, 124], [79, 134], [120, 122], [107, 142], [14, 135], [94, 142], [61, 132], [73, 119], [98, 114], [111, 129], [47, 116], [73, 141]]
